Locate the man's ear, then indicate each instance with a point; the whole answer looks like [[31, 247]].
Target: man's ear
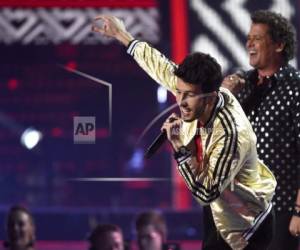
[[280, 47], [209, 99]]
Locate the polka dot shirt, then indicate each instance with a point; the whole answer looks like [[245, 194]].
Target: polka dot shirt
[[273, 109]]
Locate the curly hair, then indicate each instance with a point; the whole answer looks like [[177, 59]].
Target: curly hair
[[201, 69], [280, 30]]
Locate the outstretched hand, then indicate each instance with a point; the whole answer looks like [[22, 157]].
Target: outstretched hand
[[111, 26]]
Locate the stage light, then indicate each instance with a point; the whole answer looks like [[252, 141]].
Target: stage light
[[13, 84], [137, 159], [162, 95], [30, 138]]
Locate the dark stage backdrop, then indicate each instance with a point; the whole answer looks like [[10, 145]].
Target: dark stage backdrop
[[37, 40]]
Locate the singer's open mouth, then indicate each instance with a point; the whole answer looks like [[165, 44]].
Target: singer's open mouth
[[252, 53], [185, 112]]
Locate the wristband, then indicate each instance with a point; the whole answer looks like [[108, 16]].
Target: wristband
[[296, 213], [182, 154]]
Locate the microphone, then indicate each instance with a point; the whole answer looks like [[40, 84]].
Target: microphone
[[156, 144], [158, 141], [241, 74], [236, 81]]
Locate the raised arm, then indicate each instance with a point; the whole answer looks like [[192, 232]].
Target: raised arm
[[112, 27], [149, 59]]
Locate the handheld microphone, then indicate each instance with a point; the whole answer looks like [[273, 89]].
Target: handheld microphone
[[241, 74], [156, 144], [158, 141]]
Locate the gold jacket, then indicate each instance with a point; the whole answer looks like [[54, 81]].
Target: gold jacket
[[235, 183]]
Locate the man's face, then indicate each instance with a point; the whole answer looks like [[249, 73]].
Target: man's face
[[149, 238], [261, 48], [190, 103], [111, 241], [20, 230]]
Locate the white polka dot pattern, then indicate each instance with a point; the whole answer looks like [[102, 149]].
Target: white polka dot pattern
[[273, 109]]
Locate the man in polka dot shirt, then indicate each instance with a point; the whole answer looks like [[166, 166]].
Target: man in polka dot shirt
[[270, 98]]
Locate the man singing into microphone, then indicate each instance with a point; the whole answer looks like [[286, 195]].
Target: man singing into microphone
[[214, 144]]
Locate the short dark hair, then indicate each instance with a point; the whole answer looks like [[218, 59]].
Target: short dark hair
[[152, 218], [201, 69], [280, 30], [101, 231]]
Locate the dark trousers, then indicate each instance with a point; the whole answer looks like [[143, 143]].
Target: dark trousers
[[283, 240], [260, 240]]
